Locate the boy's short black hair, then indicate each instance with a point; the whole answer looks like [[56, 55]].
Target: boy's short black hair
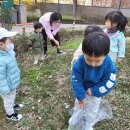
[[37, 25], [3, 39], [55, 16], [96, 44], [91, 29]]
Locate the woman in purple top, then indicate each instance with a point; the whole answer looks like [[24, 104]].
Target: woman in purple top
[[51, 22]]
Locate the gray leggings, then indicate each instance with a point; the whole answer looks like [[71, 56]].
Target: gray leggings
[[113, 56]]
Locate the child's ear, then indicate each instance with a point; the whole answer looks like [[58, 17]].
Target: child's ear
[[1, 44], [114, 24]]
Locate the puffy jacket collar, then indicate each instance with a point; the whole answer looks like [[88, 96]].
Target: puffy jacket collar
[[2, 53]]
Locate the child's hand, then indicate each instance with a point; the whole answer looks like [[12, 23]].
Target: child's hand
[[88, 92], [82, 104], [119, 60]]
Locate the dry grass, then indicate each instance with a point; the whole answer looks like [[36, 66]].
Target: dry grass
[[46, 93]]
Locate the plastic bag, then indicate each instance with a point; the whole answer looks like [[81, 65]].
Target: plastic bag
[[95, 110]]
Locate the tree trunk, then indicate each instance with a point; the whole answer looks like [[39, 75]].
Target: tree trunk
[[92, 3], [58, 9], [35, 1], [120, 4], [74, 9], [20, 2]]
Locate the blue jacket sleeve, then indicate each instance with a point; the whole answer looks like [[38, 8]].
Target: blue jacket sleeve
[[4, 88], [77, 80], [107, 82]]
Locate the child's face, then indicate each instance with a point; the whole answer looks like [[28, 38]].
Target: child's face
[[94, 61], [109, 25], [4, 45], [39, 30]]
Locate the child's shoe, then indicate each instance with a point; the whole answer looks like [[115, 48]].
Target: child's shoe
[[18, 106], [42, 58], [35, 62], [14, 117], [45, 55]]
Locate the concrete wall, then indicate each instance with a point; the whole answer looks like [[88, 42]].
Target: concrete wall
[[22, 14], [68, 9]]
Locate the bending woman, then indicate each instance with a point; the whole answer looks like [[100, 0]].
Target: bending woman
[[51, 22]]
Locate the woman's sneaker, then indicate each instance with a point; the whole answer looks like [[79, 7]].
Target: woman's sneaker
[[18, 106], [59, 51], [14, 117]]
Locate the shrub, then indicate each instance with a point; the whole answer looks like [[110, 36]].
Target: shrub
[[21, 47], [20, 42], [93, 19], [32, 18], [66, 35]]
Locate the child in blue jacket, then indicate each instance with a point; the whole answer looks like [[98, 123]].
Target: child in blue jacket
[[9, 75], [93, 74]]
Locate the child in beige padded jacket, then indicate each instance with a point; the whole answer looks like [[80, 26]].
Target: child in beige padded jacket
[[89, 29]]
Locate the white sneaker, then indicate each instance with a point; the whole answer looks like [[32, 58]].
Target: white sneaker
[[35, 62], [18, 106], [42, 58], [14, 117], [45, 55]]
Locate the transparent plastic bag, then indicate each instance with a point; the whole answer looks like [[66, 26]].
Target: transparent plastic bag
[[95, 110]]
